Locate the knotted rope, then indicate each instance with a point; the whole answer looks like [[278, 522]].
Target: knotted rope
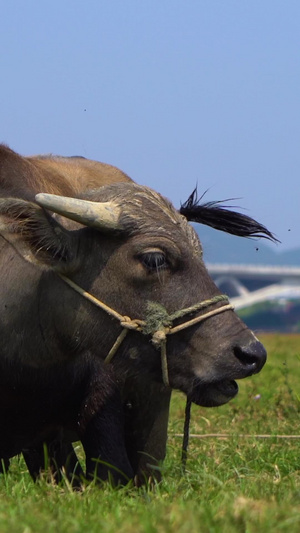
[[158, 324]]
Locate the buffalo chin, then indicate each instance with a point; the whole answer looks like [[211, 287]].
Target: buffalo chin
[[214, 394]]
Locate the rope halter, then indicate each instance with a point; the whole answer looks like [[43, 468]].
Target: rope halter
[[158, 323]]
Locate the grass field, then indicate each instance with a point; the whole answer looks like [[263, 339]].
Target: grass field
[[234, 484]]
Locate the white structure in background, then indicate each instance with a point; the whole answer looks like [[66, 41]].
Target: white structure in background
[[250, 284]]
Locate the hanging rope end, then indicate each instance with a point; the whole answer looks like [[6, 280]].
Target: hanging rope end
[[186, 434]]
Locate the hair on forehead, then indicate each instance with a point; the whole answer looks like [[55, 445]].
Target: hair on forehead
[[144, 210], [137, 202], [223, 218]]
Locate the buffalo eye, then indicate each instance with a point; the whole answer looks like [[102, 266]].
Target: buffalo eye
[[154, 260]]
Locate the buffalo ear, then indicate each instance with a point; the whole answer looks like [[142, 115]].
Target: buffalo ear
[[26, 223]]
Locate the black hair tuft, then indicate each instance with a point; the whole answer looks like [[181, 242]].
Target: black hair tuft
[[222, 218]]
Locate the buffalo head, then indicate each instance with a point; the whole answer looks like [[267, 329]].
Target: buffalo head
[[130, 248]]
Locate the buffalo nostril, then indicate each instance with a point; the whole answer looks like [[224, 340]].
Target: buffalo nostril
[[253, 356]]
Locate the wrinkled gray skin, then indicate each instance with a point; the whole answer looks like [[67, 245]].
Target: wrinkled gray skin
[[54, 387]]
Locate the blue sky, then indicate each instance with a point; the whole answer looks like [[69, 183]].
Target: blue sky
[[173, 92]]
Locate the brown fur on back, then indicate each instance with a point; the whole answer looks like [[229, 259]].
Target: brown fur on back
[[23, 177]]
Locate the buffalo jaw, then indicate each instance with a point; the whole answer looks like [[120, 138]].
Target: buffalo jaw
[[249, 359], [214, 394]]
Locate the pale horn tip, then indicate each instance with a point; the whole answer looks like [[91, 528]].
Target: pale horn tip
[[100, 215]]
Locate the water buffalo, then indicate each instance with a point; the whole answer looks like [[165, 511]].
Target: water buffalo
[[148, 304]]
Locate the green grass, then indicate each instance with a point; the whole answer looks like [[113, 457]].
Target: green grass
[[234, 484]]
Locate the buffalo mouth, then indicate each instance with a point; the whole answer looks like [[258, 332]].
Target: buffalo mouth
[[214, 394]]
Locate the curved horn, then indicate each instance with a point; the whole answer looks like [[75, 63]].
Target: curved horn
[[104, 215]]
